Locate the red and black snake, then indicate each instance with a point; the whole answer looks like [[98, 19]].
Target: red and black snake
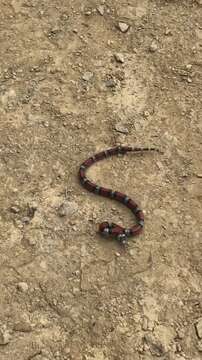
[[105, 228]]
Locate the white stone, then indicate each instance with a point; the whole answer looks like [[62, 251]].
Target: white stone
[[123, 27], [22, 286]]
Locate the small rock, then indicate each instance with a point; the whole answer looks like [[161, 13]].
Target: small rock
[[4, 335], [110, 83], [168, 32], [68, 208], [198, 327], [119, 57], [180, 333], [14, 209], [88, 13], [133, 252], [180, 358], [178, 348], [33, 204], [189, 66], [22, 286], [150, 325], [123, 27], [87, 76], [155, 346], [199, 346], [32, 207], [153, 47], [23, 324], [146, 114], [101, 10], [199, 2], [145, 324], [25, 220], [121, 129]]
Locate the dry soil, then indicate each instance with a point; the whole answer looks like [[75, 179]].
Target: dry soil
[[77, 77]]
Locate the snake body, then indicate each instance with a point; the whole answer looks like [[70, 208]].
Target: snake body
[[105, 228]]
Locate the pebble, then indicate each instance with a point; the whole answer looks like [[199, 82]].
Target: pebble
[[168, 32], [189, 66], [153, 47], [146, 114], [14, 209], [133, 252], [199, 346], [23, 324], [121, 129], [25, 220], [150, 325], [87, 76], [178, 348], [101, 10], [119, 57], [145, 324], [67, 208], [22, 286], [155, 346], [198, 327], [123, 27], [88, 13], [180, 333], [4, 335], [111, 83]]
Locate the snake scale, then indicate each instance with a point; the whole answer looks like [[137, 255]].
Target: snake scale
[[105, 228]]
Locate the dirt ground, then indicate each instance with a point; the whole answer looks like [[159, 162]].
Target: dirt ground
[[77, 77]]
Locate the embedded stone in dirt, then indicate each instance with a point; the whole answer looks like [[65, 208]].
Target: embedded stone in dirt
[[121, 129], [110, 83], [4, 335], [22, 323], [87, 76], [155, 346], [199, 346], [119, 57], [153, 47], [22, 286], [198, 327], [101, 10], [14, 209], [123, 27], [68, 208]]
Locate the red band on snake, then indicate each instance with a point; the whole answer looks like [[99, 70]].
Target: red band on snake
[[105, 228]]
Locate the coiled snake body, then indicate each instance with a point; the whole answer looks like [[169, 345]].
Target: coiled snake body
[[106, 228]]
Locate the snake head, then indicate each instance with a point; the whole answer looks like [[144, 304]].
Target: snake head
[[122, 239], [104, 228]]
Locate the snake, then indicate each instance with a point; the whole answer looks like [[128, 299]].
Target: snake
[[111, 229]]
